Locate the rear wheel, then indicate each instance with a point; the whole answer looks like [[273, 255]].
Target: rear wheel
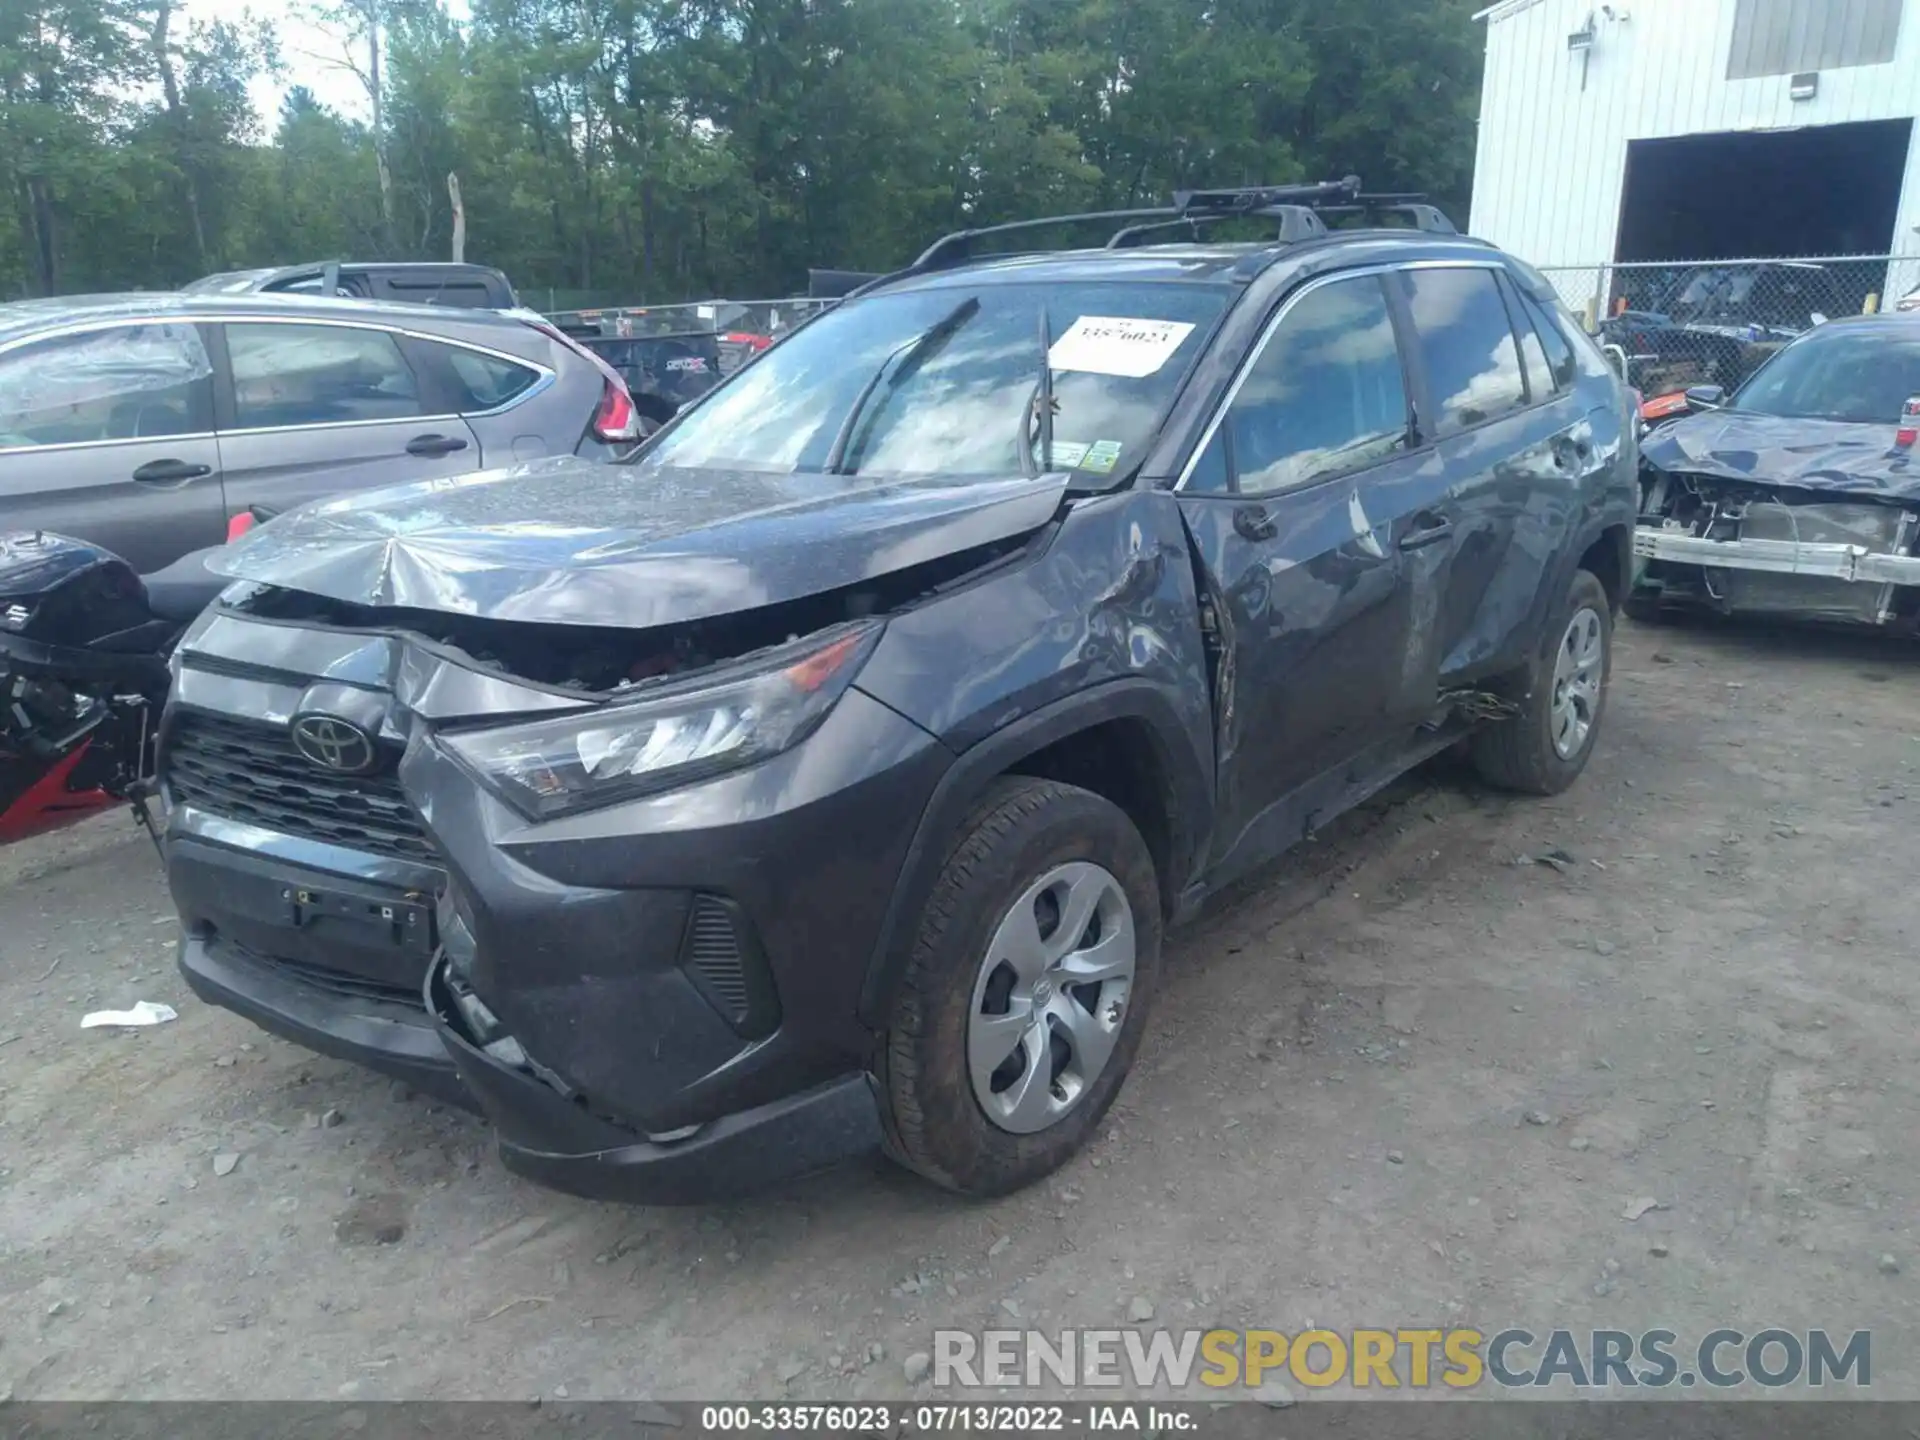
[[1026, 994], [1543, 749]]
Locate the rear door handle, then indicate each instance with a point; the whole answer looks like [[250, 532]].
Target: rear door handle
[[1429, 530], [435, 444], [1254, 523], [159, 472]]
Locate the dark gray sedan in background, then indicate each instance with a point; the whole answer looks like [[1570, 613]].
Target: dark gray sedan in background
[[143, 422]]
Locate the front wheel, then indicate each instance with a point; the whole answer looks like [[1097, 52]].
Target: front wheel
[[1543, 749], [1026, 994]]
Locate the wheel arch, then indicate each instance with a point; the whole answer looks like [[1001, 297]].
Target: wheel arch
[[1609, 555], [1123, 740]]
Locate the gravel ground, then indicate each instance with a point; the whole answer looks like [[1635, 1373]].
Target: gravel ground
[[1406, 1078]]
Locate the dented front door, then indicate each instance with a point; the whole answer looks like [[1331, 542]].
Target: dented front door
[[1323, 540]]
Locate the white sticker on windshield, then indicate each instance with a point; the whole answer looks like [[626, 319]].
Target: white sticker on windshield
[[1067, 454], [1115, 345]]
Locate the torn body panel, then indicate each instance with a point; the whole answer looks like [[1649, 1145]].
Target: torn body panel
[[1811, 456], [1771, 550], [613, 542], [1774, 515], [567, 926]]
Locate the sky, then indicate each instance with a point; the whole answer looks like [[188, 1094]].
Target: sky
[[310, 53]]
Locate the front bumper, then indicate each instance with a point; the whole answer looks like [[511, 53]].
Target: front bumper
[[680, 975], [693, 956], [1832, 561], [557, 1140], [393, 1039]]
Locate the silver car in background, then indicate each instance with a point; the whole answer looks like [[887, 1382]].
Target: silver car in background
[[143, 422]]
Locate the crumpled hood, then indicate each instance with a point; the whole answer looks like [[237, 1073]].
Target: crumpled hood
[[1824, 455], [574, 543]]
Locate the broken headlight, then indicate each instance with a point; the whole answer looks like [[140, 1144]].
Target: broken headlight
[[671, 736]]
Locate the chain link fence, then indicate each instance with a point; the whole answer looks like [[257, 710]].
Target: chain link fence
[[1714, 322]]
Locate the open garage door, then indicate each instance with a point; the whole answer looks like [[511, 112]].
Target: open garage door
[[1821, 190]]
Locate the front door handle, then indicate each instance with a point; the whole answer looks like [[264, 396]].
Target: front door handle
[[159, 472], [435, 444], [1430, 530], [1254, 523]]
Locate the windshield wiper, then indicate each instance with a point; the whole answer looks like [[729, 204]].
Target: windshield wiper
[[1040, 403], [895, 370]]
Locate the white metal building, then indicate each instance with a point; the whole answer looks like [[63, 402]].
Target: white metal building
[[1671, 130]]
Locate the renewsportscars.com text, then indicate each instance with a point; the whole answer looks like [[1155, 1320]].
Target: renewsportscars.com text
[[1412, 1358]]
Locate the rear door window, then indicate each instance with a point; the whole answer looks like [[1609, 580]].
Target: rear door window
[[1472, 362], [318, 375], [1326, 395], [1548, 342], [129, 382], [1544, 352]]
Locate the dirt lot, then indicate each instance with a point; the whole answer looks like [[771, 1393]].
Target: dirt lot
[[1403, 1080]]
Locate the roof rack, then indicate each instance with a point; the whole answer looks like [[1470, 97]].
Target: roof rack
[[1187, 204], [957, 247], [1298, 209], [1413, 207], [1297, 223]]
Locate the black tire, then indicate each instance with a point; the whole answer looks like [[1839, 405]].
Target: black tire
[[1518, 754], [931, 1121]]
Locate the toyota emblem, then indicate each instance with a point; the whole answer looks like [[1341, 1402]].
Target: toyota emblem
[[335, 744]]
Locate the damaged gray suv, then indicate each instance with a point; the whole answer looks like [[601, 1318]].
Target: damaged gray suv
[[828, 775]]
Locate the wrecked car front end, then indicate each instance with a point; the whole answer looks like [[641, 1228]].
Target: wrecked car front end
[[400, 768], [1811, 516], [1741, 548], [606, 799]]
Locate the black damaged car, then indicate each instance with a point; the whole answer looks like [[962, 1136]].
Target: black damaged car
[[1798, 496], [829, 775]]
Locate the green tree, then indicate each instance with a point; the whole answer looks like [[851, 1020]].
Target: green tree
[[653, 150]]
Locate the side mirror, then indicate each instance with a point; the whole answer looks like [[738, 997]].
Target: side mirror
[[1617, 358], [1706, 397], [1818, 317]]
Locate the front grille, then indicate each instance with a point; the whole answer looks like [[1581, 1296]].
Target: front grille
[[243, 770]]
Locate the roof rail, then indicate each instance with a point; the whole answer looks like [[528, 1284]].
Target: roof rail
[[1298, 209], [956, 247], [1206, 204]]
